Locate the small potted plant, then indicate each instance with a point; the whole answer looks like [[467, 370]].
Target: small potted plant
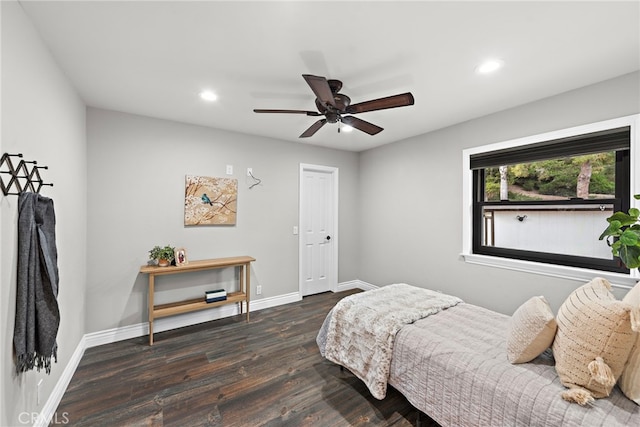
[[164, 255], [625, 229]]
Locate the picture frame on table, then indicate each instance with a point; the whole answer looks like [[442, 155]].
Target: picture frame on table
[[181, 257]]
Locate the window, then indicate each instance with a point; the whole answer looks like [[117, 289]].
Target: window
[[545, 199]]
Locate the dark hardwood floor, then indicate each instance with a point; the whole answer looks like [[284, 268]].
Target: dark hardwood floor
[[268, 372]]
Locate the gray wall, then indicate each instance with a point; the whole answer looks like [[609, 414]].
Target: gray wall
[[137, 166], [411, 198], [43, 118], [399, 204]]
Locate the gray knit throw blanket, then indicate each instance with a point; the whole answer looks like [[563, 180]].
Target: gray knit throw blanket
[[37, 313]]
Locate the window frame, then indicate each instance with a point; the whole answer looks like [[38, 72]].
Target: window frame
[[619, 203], [512, 258]]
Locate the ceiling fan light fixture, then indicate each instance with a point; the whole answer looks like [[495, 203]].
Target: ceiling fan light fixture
[[208, 95], [489, 66], [333, 106]]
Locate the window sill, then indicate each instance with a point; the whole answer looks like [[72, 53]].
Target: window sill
[[618, 280]]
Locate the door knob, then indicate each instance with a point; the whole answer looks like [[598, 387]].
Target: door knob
[[328, 237]]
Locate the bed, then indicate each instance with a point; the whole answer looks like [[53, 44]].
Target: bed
[[451, 364]]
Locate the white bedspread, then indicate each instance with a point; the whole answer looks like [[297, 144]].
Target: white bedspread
[[453, 366], [361, 329]]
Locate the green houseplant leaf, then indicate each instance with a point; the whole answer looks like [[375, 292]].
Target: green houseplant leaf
[[625, 229], [623, 218], [630, 255], [629, 237], [612, 230]]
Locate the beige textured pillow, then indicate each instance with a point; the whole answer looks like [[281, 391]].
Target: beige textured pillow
[[593, 341], [531, 330], [630, 380]]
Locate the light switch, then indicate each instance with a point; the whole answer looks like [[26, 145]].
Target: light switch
[[229, 169], [295, 229]]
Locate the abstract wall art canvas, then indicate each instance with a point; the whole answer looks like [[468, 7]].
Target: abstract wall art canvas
[[210, 201]]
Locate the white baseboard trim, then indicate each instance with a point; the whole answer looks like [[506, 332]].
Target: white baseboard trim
[[48, 411], [355, 284], [109, 336], [181, 320]]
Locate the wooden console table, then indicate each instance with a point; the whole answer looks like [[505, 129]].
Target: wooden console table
[[163, 310]]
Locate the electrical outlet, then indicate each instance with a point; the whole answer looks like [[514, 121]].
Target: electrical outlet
[[249, 171], [229, 169], [259, 290]]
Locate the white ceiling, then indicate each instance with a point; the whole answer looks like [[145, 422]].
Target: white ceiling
[[154, 57]]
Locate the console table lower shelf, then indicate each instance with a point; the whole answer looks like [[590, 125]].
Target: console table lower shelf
[[179, 307]]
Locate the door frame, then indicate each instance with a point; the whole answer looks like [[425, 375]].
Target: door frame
[[335, 236]]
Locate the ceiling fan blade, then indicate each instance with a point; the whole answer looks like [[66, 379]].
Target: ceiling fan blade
[[362, 125], [308, 113], [320, 87], [313, 128], [394, 101]]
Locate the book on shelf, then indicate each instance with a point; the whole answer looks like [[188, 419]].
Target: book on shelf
[[216, 299], [215, 295]]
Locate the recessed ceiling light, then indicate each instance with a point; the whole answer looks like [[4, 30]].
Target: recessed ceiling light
[[489, 66], [207, 95]]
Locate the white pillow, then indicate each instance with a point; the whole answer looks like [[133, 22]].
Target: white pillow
[[630, 380], [593, 341], [531, 330]]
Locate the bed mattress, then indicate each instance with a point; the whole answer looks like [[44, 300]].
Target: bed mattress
[[453, 367]]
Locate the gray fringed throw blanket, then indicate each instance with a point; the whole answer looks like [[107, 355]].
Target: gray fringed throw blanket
[[37, 314], [359, 332]]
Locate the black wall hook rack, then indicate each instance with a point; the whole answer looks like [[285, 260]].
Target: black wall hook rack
[[21, 177]]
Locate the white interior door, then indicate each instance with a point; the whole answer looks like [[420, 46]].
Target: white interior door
[[318, 229]]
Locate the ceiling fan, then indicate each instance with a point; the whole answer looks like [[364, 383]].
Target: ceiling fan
[[334, 105]]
